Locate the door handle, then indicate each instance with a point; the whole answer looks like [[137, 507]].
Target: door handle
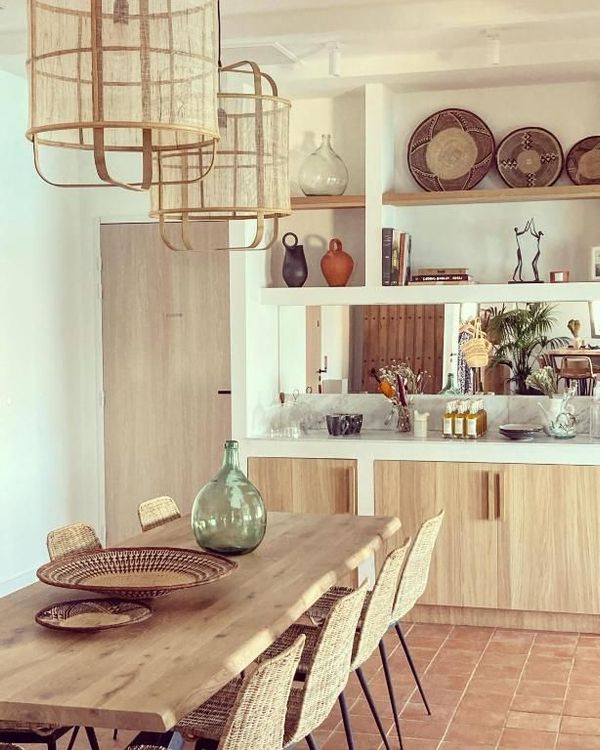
[[491, 496], [500, 504]]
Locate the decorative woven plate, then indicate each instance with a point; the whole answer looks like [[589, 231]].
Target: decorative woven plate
[[583, 161], [530, 157], [450, 150], [90, 615], [136, 572]]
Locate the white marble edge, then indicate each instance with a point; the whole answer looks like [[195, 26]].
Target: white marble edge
[[373, 445]]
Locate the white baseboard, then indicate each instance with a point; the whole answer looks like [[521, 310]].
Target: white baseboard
[[18, 582]]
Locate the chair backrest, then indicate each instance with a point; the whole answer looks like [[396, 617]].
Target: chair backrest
[[575, 366], [377, 614], [545, 360], [413, 580], [257, 720], [77, 537], [157, 511], [328, 673]]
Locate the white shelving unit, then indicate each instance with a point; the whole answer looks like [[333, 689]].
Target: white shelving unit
[[434, 295]]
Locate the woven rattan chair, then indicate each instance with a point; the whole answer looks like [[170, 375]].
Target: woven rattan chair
[[579, 370], [41, 734], [77, 537], [375, 621], [413, 583], [308, 706], [157, 512]]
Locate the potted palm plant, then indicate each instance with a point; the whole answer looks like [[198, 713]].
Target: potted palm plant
[[519, 336]]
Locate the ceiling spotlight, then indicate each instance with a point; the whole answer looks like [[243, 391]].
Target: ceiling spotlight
[[335, 59], [493, 47]]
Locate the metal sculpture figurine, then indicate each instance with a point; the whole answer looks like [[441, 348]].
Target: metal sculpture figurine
[[530, 229]]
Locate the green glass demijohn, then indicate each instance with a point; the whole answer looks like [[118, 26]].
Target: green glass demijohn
[[229, 516]]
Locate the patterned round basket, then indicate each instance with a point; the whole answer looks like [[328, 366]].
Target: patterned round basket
[[91, 615], [583, 161], [530, 157], [136, 572], [451, 150]]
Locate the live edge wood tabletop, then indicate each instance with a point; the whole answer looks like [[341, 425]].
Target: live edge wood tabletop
[[147, 676]]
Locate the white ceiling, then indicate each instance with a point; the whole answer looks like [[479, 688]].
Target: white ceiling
[[409, 43]]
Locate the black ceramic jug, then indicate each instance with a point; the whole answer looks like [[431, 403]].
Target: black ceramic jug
[[295, 270]]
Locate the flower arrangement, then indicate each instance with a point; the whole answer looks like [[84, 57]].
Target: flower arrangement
[[544, 380], [397, 381]]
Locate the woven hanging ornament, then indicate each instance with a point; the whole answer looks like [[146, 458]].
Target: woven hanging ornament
[[250, 178], [122, 76]]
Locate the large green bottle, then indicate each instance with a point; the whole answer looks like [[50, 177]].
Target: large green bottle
[[229, 515]]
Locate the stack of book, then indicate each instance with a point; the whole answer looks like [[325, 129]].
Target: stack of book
[[395, 257], [436, 276]]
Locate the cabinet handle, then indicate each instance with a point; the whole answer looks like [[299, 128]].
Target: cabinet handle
[[501, 514], [491, 493]]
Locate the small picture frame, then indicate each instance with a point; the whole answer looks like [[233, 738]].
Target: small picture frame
[[595, 263]]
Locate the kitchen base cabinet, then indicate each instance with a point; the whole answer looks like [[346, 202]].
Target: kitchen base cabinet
[[520, 543], [305, 485]]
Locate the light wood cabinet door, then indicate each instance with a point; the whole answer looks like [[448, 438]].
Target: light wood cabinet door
[[305, 485], [549, 539], [464, 570]]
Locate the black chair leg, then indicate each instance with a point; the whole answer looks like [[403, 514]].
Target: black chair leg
[[372, 706], [92, 739], [310, 742], [51, 743], [73, 738], [390, 687], [346, 720], [115, 735], [411, 664]]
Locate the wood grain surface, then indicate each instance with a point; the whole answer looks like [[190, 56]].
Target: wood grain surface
[[148, 676]]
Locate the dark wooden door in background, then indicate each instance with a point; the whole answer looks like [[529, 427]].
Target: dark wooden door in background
[[407, 333]]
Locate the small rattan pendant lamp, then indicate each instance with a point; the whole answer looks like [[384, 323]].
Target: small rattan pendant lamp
[[133, 76], [250, 179]]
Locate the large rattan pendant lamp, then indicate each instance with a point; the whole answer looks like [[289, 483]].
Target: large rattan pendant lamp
[[250, 179], [133, 76]]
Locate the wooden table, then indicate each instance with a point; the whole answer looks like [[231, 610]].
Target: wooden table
[[554, 354], [147, 676]]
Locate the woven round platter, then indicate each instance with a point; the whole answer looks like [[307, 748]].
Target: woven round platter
[[136, 572], [583, 161], [91, 615], [530, 157], [450, 150]]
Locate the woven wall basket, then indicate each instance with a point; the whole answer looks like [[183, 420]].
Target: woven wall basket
[[133, 76], [250, 178]]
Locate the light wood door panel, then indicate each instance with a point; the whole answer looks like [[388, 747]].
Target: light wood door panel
[[549, 535], [305, 485], [464, 565], [166, 355]]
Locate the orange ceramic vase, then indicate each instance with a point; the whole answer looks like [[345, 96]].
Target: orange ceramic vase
[[336, 264]]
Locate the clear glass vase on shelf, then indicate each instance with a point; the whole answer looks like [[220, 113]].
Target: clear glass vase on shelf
[[323, 172]]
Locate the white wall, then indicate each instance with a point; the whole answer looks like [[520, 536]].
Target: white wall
[[48, 390]]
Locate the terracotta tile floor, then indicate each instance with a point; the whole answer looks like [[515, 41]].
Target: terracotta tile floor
[[488, 689]]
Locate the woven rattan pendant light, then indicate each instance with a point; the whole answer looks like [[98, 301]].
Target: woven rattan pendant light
[[250, 179], [134, 76]]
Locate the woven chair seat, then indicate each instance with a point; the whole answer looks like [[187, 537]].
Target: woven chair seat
[[208, 720], [320, 609], [41, 729]]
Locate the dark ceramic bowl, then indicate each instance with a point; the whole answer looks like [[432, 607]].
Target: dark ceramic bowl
[[344, 424]]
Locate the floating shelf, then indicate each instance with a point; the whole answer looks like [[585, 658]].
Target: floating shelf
[[327, 201], [435, 295], [500, 195]]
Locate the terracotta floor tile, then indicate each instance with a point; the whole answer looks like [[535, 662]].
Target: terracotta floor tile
[[532, 704], [479, 717], [585, 676], [578, 742], [447, 681], [583, 692], [413, 743], [485, 702], [337, 741], [427, 729], [509, 647], [541, 689], [549, 674], [527, 739], [462, 746], [557, 639], [582, 708], [509, 660], [543, 649], [472, 734], [526, 720], [505, 685], [580, 725], [497, 670], [416, 710]]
